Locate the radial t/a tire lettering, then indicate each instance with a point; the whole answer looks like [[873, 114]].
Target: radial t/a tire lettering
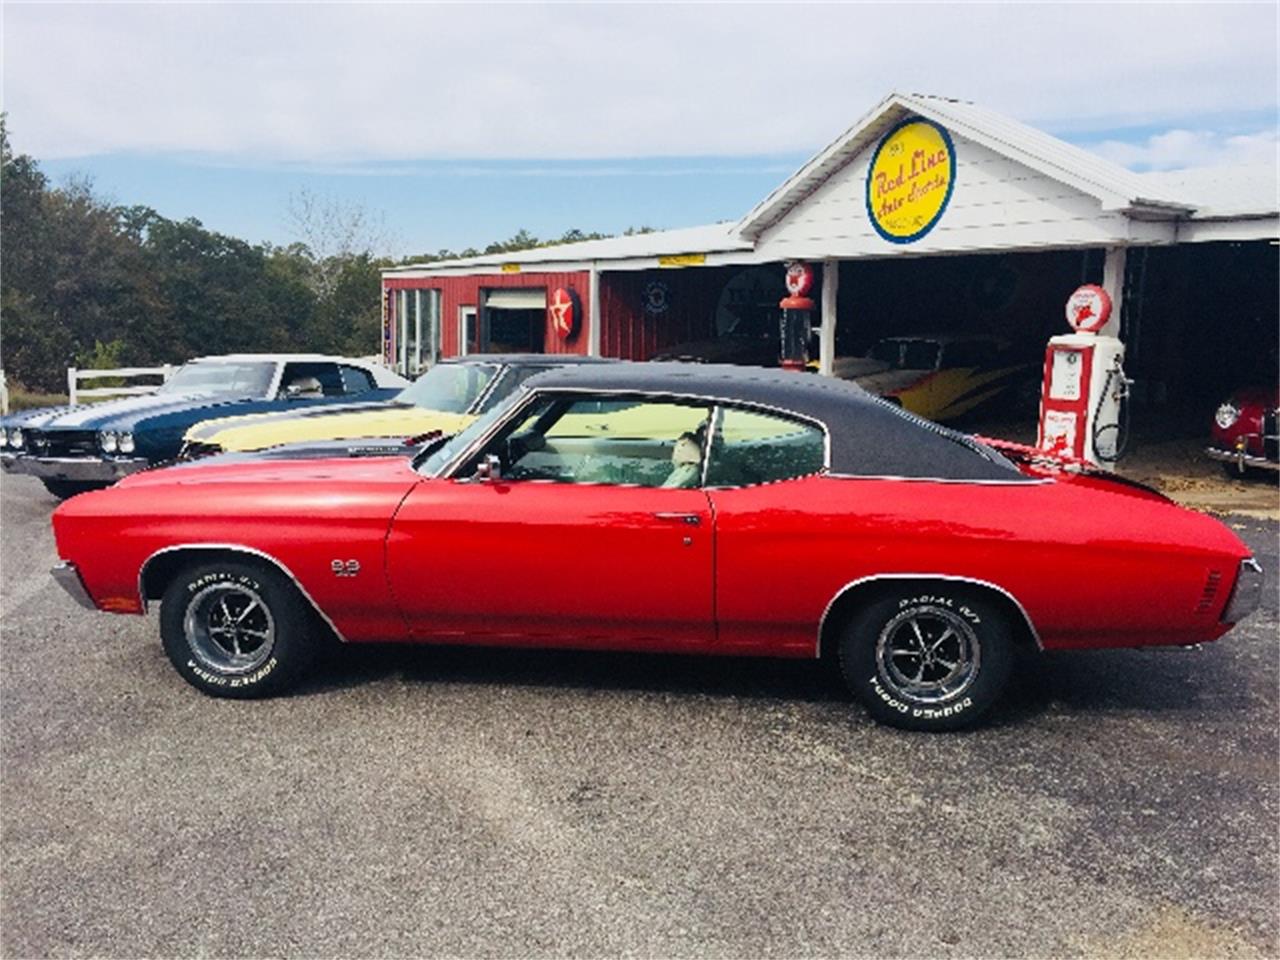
[[238, 630], [927, 656]]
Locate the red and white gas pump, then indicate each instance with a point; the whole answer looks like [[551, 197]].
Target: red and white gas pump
[[1082, 401]]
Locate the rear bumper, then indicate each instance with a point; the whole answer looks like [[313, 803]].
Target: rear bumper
[[84, 469], [68, 578]]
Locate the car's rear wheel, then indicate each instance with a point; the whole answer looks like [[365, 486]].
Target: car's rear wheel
[[929, 656], [69, 488], [235, 629]]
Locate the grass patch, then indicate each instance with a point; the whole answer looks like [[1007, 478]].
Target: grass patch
[[20, 398]]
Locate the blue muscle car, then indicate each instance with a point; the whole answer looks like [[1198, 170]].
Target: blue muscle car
[[72, 449]]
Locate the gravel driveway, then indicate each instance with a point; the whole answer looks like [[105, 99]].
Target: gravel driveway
[[492, 803]]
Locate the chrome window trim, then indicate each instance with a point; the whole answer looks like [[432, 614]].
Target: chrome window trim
[[952, 578], [1021, 480], [447, 472], [236, 548], [502, 369]]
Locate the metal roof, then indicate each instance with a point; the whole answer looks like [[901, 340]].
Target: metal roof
[[1220, 192], [1113, 185], [868, 436], [712, 238], [1228, 192]]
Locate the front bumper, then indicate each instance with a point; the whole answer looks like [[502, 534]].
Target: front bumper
[[68, 578], [83, 469], [1246, 594], [1239, 451]]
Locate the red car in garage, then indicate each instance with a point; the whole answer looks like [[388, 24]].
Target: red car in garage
[[663, 507], [1244, 435]]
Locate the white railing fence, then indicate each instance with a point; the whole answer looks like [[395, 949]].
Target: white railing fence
[[74, 376]]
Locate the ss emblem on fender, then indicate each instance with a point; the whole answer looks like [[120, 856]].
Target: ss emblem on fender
[[345, 568]]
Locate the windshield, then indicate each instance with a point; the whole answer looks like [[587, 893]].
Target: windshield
[[250, 378], [440, 456], [449, 387]]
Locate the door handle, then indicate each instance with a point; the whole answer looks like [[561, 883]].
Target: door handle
[[692, 519]]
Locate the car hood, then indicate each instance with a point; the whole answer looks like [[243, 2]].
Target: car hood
[[124, 413], [754, 350], [384, 421], [1256, 396], [258, 469], [314, 450], [850, 368], [888, 382], [205, 429]]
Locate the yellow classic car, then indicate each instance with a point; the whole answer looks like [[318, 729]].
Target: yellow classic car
[[939, 377], [446, 398]]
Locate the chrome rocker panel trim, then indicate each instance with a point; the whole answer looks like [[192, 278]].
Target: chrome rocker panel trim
[[68, 578], [72, 468], [1026, 617], [236, 548]]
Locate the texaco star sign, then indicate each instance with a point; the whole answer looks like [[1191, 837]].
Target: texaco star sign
[[564, 312]]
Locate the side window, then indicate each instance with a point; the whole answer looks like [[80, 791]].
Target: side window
[[750, 448], [633, 442], [311, 380], [356, 380]]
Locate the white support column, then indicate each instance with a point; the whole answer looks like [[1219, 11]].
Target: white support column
[[827, 336], [593, 312], [1113, 283]]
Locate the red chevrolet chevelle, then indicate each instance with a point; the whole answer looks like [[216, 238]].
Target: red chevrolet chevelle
[[663, 507]]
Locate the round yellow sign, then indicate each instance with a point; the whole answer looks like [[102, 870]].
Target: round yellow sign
[[910, 181]]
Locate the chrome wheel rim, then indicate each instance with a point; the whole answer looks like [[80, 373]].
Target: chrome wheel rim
[[229, 628], [928, 654]]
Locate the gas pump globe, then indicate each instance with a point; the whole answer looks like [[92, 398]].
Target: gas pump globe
[[1082, 401], [797, 313]]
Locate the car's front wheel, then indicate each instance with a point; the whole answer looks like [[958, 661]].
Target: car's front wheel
[[928, 656], [235, 629]]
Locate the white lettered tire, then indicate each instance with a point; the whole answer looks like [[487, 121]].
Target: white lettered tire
[[927, 656], [236, 629]]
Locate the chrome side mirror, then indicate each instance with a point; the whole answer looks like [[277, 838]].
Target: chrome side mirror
[[490, 468]]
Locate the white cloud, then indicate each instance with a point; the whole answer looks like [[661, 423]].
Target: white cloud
[[1177, 149], [341, 83]]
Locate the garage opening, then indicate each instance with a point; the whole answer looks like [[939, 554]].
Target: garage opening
[[514, 321]]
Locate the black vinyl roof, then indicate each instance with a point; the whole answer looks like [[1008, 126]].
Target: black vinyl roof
[[869, 436]]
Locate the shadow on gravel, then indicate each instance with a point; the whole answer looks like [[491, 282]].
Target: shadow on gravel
[[801, 680], [1150, 681]]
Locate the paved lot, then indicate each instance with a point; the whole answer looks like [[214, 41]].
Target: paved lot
[[495, 804]]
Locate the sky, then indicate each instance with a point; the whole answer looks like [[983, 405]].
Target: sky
[[457, 124]]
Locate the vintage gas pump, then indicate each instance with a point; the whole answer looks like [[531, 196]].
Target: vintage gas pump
[[1083, 412], [797, 311]]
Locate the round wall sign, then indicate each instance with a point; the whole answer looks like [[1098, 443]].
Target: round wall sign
[[564, 310], [1088, 309], [910, 181], [656, 298]]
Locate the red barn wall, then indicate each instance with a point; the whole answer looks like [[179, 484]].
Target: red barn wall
[[632, 332], [458, 292]]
